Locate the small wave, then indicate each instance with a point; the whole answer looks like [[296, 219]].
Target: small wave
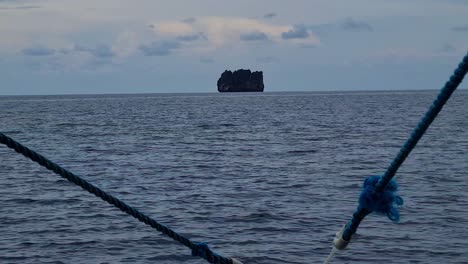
[[302, 151], [213, 126], [72, 125]]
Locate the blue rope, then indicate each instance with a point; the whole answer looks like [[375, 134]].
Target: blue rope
[[384, 202], [364, 209], [198, 249]]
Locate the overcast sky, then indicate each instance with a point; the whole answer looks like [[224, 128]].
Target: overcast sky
[[151, 46]]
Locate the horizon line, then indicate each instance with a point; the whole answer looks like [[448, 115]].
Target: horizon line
[[265, 92]]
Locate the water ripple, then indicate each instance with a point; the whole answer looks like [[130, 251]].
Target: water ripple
[[265, 178]]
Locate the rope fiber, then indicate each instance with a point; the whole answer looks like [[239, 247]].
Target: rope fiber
[[384, 202], [198, 249]]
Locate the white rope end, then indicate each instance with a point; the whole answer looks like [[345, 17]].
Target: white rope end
[[235, 261], [339, 242]]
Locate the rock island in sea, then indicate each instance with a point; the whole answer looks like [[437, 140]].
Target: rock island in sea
[[241, 81]]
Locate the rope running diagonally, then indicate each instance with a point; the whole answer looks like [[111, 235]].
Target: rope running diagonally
[[409, 145], [198, 249], [201, 249]]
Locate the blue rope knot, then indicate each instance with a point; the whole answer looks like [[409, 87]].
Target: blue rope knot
[[384, 202], [201, 249]]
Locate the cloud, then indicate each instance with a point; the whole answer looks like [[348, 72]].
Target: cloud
[[172, 28], [270, 15], [461, 28], [162, 48], [38, 51], [79, 58], [189, 20], [126, 43], [100, 51], [207, 60], [254, 36], [297, 32], [20, 7], [192, 37], [222, 32], [354, 25]]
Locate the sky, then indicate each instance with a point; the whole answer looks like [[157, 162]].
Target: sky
[[175, 46]]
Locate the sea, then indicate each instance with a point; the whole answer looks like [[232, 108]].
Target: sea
[[267, 178]]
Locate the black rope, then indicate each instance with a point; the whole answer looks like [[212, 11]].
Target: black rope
[[198, 249]]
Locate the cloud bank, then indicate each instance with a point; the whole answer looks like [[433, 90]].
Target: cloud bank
[[270, 15], [38, 51], [297, 32], [356, 25], [162, 48], [225, 31], [254, 36]]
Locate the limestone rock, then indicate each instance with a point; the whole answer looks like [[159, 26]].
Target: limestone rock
[[241, 81]]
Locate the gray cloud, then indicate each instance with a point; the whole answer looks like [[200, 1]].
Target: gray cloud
[[20, 7], [189, 20], [461, 28], [162, 48], [298, 32], [206, 60], [322, 29], [64, 51], [254, 36], [38, 51], [270, 15], [355, 25], [192, 37], [100, 51]]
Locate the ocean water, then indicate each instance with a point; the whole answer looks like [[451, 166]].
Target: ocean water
[[267, 178]]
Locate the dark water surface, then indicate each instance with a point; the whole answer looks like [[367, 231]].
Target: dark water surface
[[268, 178]]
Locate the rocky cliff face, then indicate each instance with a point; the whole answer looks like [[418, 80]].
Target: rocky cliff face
[[241, 81]]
